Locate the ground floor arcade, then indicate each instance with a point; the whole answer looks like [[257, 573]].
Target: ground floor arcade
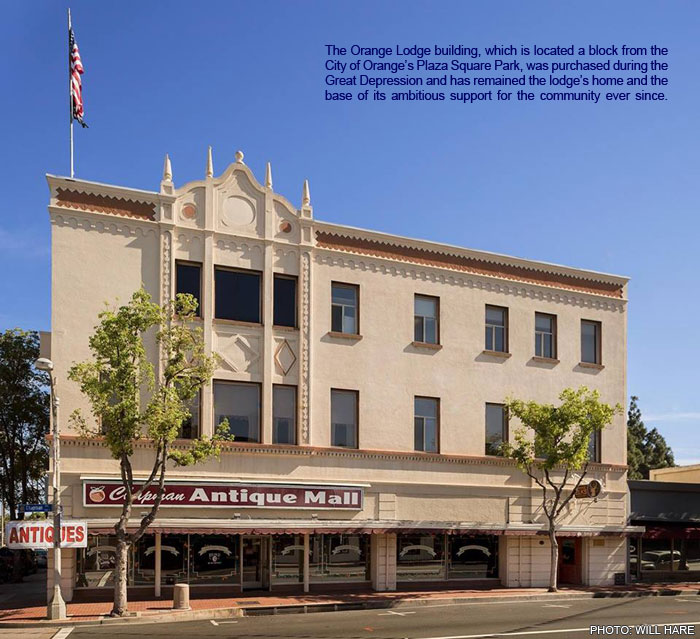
[[294, 560]]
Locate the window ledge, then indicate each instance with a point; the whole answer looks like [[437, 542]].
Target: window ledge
[[597, 367], [429, 345], [287, 329], [355, 337], [545, 360], [500, 354], [230, 322]]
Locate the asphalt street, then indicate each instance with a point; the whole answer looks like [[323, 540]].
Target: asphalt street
[[556, 620]]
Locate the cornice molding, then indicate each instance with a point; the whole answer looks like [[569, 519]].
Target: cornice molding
[[102, 222], [231, 448], [367, 241], [86, 201], [490, 283], [466, 262]]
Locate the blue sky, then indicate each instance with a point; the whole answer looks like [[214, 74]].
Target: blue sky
[[611, 187]]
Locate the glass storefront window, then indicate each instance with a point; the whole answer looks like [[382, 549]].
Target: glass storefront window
[[656, 555], [214, 559], [420, 557], [96, 563], [690, 554], [340, 558], [173, 560], [473, 557], [287, 559]]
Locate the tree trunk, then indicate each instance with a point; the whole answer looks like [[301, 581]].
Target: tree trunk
[[554, 566], [121, 576]]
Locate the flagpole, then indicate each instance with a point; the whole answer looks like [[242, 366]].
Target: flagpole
[[70, 97]]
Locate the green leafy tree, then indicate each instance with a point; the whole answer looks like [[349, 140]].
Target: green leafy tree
[[131, 402], [24, 420], [552, 448], [646, 449]]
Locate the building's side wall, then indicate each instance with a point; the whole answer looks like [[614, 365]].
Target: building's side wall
[[97, 262], [681, 474]]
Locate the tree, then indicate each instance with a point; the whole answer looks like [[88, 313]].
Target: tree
[[552, 448], [131, 403], [24, 420], [646, 449]]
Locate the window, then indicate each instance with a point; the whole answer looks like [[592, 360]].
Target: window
[[237, 295], [344, 308], [426, 415], [420, 557], [239, 403], [472, 557], [284, 414], [497, 329], [344, 418], [496, 428], [188, 279], [190, 427], [590, 342], [594, 447], [425, 319], [545, 335], [285, 302]]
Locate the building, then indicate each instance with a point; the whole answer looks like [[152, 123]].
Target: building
[[683, 474], [669, 549], [363, 375]]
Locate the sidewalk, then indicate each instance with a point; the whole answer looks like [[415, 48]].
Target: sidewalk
[[150, 609]]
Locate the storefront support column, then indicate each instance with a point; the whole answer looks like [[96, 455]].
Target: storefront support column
[[157, 571], [306, 562]]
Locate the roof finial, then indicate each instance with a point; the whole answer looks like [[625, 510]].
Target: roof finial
[[268, 176], [239, 157], [167, 170], [210, 164], [306, 196]]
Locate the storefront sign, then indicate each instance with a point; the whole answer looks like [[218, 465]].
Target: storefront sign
[[230, 495], [39, 534], [591, 490]]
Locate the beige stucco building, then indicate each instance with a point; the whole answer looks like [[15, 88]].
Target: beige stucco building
[[363, 375], [684, 474]]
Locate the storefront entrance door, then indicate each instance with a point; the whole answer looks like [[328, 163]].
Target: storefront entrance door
[[570, 561], [255, 563]]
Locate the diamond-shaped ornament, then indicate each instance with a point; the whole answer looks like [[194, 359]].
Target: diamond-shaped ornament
[[285, 357]]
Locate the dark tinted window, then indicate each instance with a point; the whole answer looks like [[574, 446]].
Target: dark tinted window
[[496, 429], [188, 279], [594, 447], [237, 295], [425, 423], [284, 414], [190, 427], [344, 418], [285, 302], [240, 404], [590, 342]]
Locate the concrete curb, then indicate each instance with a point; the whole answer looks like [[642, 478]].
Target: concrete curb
[[368, 604]]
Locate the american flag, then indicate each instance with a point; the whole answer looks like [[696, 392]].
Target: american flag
[[76, 85]]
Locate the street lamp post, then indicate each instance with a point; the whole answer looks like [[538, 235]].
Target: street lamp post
[[57, 606]]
